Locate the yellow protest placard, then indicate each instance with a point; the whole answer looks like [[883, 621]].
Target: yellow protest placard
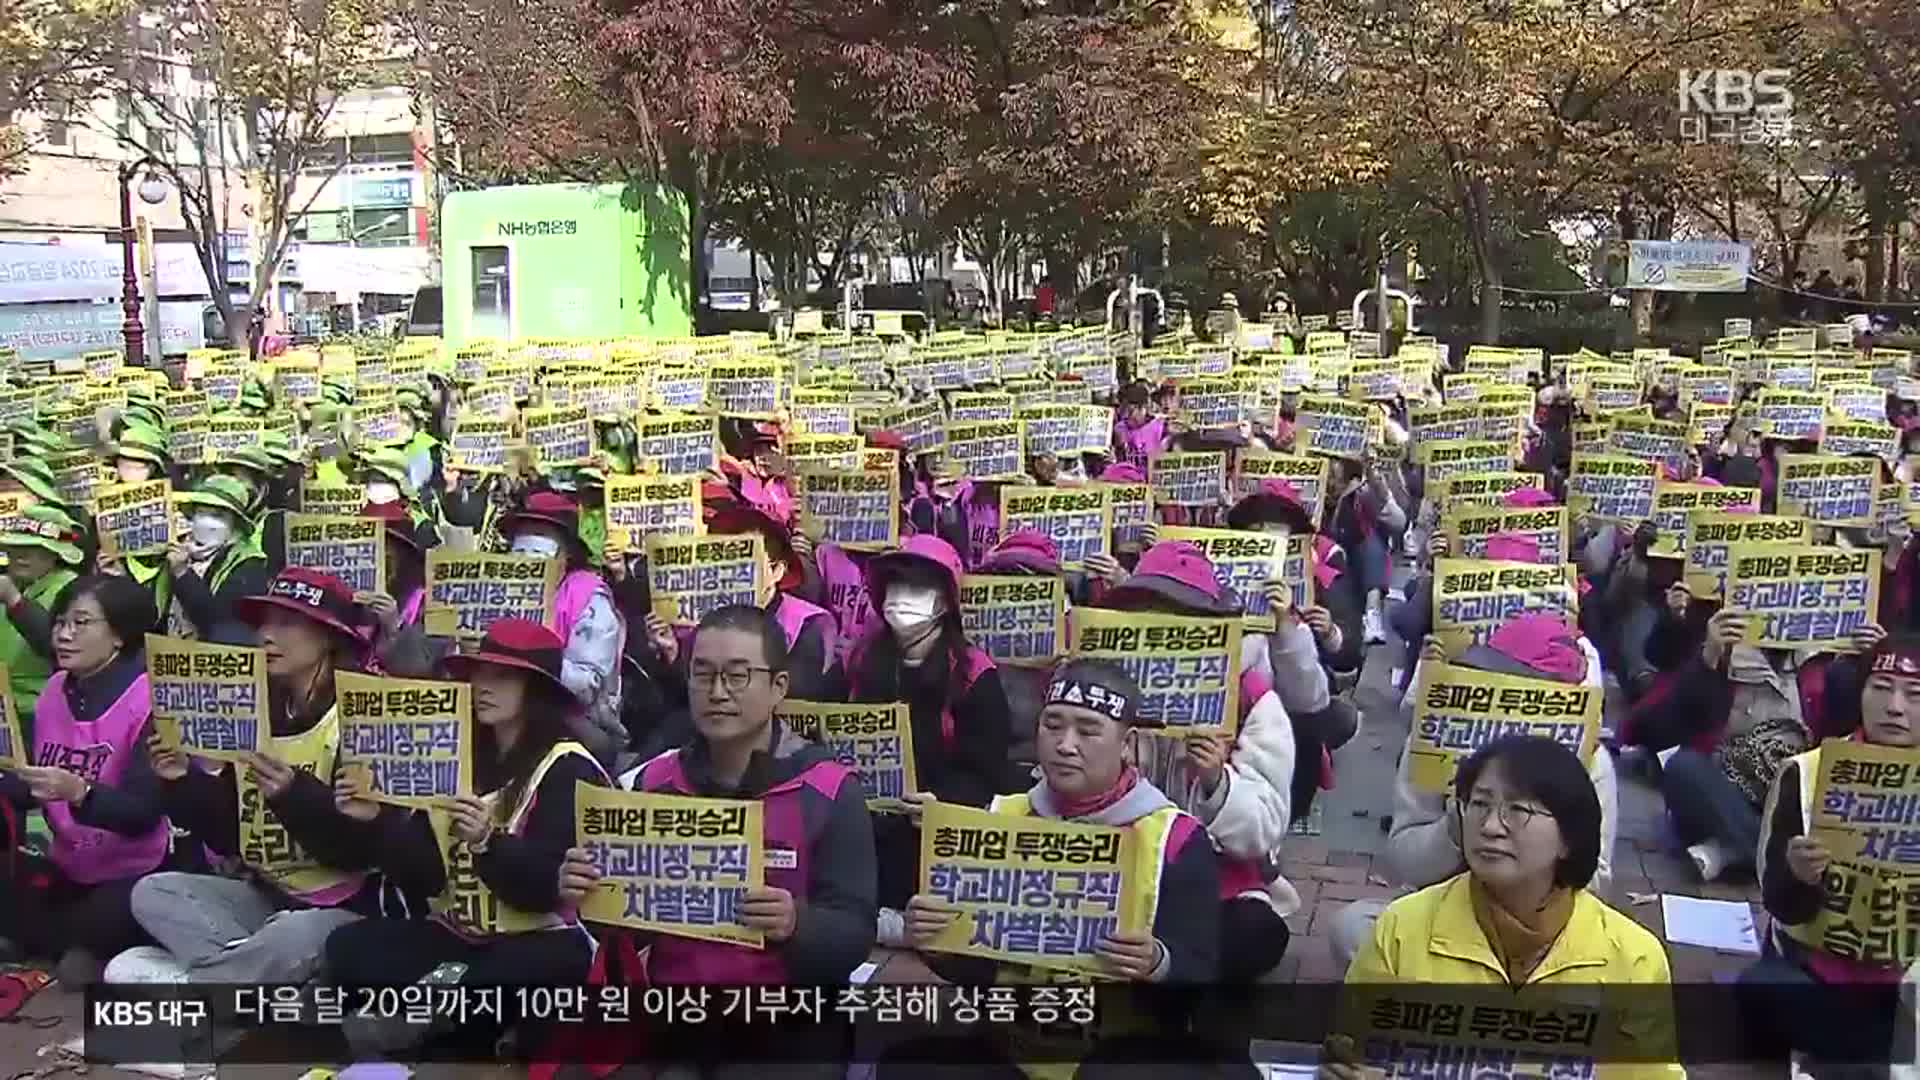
[[1246, 561], [208, 700], [1830, 490], [225, 434], [1187, 668], [1673, 501], [1187, 479], [343, 500], [1470, 526], [480, 446], [1563, 1030], [1015, 619], [1803, 598], [1712, 535], [1306, 472], [1707, 424], [1329, 425], [1077, 520], [1064, 430], [1468, 458], [641, 506], [1472, 597], [14, 751], [1484, 488], [1131, 509], [677, 445], [1662, 441], [986, 450], [746, 388], [468, 592], [1865, 812], [353, 549], [1790, 414], [692, 575], [1618, 489], [824, 452], [406, 742], [1457, 710], [671, 864], [561, 436], [874, 740], [858, 511], [1079, 885], [1880, 440], [134, 519]]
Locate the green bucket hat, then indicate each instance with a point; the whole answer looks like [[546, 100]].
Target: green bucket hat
[[276, 446], [143, 412], [249, 457], [336, 392], [385, 461], [49, 528], [36, 476], [412, 401], [253, 396], [140, 442], [222, 493]]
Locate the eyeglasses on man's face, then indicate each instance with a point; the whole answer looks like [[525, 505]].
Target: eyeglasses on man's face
[[1512, 815], [735, 677]]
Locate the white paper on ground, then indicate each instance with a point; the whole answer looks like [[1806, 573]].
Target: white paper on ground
[[1715, 924], [862, 974]]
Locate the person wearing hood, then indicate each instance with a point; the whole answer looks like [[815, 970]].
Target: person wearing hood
[[1086, 731], [1423, 845], [816, 908], [305, 865], [584, 615], [1522, 915], [44, 557], [812, 635], [217, 562], [490, 862], [1735, 715], [1798, 996], [399, 643], [1240, 786], [88, 776], [961, 729]]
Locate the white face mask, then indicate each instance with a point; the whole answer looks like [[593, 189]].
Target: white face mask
[[539, 544], [210, 533], [1275, 528], [910, 609], [381, 492]]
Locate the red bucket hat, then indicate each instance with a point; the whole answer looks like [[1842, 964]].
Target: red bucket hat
[[1274, 500], [544, 508], [919, 550], [399, 523], [318, 595], [1177, 572], [733, 517], [521, 644], [1026, 551]]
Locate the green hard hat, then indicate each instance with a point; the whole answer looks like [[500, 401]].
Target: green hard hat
[[34, 474], [222, 493], [141, 442], [48, 527]]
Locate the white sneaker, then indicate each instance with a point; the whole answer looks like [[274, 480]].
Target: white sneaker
[[1372, 628], [1711, 859], [145, 965], [890, 928]]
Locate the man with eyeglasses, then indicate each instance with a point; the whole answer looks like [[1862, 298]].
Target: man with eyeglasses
[[817, 906]]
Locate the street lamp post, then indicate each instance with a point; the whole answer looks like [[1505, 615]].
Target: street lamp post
[[153, 191]]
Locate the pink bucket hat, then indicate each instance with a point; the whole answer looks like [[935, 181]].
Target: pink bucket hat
[[1522, 498], [920, 549], [1513, 547], [1179, 573], [1537, 645], [1026, 551], [1122, 473], [1274, 500]]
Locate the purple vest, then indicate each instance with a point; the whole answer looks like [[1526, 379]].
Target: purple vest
[[792, 615], [98, 752], [1139, 445], [682, 961], [845, 584]]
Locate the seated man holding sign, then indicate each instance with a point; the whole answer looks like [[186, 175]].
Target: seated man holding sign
[[1829, 985]]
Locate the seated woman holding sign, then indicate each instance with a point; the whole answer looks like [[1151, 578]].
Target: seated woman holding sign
[[1424, 845], [961, 731], [303, 864], [1805, 994], [1521, 915], [87, 772], [491, 862], [42, 549]]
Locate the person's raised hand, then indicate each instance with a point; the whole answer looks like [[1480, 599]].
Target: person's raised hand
[[661, 637], [1207, 759], [1725, 630], [51, 784], [613, 556], [1807, 858], [770, 910], [270, 774], [802, 545], [1130, 955], [926, 916], [1439, 545], [383, 607], [472, 819], [577, 876], [1868, 637], [168, 762], [347, 799], [1432, 650], [1679, 599], [1320, 621], [1105, 567]]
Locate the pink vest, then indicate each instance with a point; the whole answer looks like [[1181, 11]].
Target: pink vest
[[1139, 445], [683, 961], [792, 615], [98, 752], [410, 611], [768, 495], [964, 673], [983, 530], [845, 584], [576, 589]]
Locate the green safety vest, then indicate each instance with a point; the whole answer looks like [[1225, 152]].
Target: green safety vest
[[29, 670], [328, 474], [592, 530], [152, 574]]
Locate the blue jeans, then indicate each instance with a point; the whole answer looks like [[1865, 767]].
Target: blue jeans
[[1372, 570], [1706, 805]]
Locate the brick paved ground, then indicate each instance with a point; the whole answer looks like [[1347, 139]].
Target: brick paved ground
[[1330, 870]]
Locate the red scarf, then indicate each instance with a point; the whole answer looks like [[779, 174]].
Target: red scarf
[[1093, 804]]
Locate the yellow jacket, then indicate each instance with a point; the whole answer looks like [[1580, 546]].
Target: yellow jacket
[[1431, 936]]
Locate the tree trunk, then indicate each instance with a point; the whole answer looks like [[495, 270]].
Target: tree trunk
[[1880, 221]]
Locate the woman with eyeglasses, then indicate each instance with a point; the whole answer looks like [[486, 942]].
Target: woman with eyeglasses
[[1521, 915], [91, 780]]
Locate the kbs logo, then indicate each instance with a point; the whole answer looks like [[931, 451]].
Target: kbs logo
[[1735, 90]]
